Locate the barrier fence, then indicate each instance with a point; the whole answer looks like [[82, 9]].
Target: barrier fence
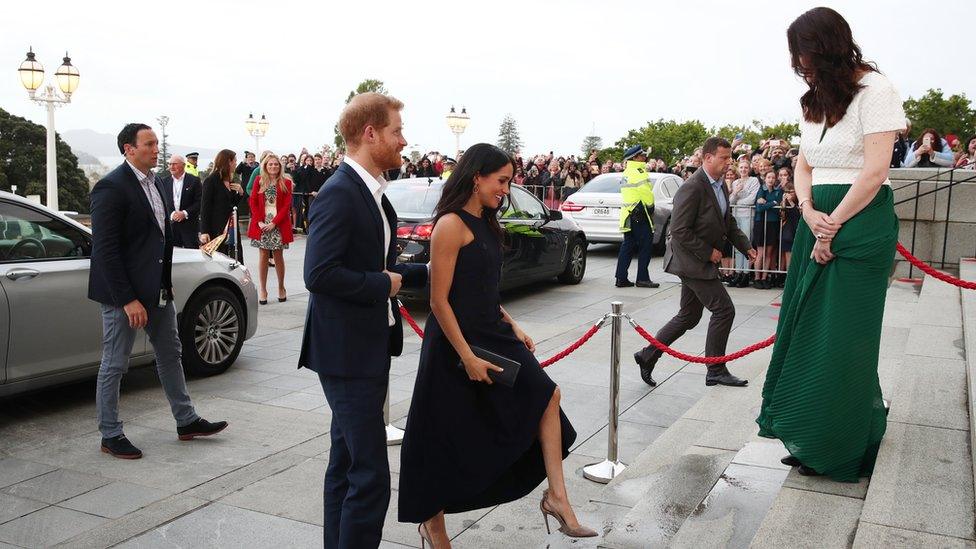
[[606, 470]]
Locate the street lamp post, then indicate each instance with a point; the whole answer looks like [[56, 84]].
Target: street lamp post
[[458, 123], [32, 76], [256, 129]]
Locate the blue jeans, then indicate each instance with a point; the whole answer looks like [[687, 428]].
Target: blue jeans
[[117, 341], [637, 240]]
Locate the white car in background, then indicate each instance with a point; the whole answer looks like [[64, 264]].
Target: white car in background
[[596, 207]]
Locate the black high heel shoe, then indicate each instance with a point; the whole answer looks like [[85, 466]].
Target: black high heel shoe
[[791, 461]]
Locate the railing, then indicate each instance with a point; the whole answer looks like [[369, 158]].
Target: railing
[[956, 177], [772, 259], [551, 195]]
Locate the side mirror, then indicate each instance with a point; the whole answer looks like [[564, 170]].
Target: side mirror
[[555, 215]]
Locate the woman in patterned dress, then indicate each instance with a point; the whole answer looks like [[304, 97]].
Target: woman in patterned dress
[[270, 229]]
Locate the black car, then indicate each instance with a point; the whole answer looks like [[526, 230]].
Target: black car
[[540, 243]]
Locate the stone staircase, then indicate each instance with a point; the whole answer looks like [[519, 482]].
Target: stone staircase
[[709, 481]]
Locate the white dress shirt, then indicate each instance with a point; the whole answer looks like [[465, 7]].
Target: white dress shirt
[[177, 195], [376, 187]]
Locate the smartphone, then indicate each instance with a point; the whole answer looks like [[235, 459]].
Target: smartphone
[[927, 140]]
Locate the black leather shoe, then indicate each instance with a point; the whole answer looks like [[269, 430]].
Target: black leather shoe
[[733, 280], [806, 471], [200, 428], [647, 284], [121, 448], [791, 461], [743, 282], [623, 283], [646, 368], [725, 379]]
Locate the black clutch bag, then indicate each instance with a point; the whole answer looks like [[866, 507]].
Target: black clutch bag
[[509, 367]]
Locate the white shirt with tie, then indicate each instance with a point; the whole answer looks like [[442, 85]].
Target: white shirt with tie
[[376, 187]]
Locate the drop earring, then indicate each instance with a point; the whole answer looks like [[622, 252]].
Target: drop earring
[[475, 188]]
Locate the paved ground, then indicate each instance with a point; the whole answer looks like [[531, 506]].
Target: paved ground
[[259, 483]]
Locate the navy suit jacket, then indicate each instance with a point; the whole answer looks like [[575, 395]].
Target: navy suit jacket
[[131, 258], [186, 233], [347, 331]]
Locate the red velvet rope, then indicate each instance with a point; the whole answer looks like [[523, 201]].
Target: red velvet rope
[[934, 273], [413, 323], [556, 358], [702, 359], [712, 359]]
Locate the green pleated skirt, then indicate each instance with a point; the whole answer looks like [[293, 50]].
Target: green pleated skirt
[[822, 398]]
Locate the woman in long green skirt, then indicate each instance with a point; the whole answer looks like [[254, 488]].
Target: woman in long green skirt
[[822, 398]]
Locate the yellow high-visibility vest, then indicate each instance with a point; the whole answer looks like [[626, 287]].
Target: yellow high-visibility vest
[[192, 170], [637, 193]]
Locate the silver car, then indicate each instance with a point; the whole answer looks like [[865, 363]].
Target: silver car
[[596, 207], [51, 333]]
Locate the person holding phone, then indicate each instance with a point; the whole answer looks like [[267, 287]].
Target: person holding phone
[[471, 443], [929, 151]]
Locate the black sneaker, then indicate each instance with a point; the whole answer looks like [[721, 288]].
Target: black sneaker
[[200, 428], [120, 447], [647, 284], [623, 283]]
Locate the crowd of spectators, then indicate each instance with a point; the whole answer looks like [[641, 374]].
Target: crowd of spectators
[[931, 150], [760, 185]]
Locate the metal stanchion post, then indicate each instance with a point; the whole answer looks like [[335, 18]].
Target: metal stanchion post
[[604, 471], [394, 435], [237, 237]]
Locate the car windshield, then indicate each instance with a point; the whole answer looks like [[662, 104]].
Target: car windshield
[[415, 199], [603, 184]]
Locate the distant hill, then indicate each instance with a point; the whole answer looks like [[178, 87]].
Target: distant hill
[[103, 145]]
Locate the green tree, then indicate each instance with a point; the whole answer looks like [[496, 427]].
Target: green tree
[[508, 135], [368, 85], [754, 133], [954, 114], [667, 139], [162, 164], [23, 163], [591, 142]]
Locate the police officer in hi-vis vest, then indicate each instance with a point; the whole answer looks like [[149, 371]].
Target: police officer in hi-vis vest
[[636, 215]]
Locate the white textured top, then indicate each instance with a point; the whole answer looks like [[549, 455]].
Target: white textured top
[[839, 157]]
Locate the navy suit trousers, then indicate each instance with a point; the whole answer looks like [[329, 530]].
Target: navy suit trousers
[[357, 479]]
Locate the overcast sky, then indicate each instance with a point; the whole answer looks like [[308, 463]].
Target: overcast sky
[[558, 67]]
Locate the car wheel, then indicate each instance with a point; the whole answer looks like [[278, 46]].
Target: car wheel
[[658, 248], [575, 263], [212, 331]]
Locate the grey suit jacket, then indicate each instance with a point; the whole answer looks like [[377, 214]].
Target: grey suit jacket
[[697, 227]]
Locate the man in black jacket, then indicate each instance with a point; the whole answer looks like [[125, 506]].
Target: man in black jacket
[[185, 214], [130, 276]]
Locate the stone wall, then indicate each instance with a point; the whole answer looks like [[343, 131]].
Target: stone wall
[[932, 213]]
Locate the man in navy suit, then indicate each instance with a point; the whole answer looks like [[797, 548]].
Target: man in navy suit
[[353, 326], [132, 256], [185, 190]]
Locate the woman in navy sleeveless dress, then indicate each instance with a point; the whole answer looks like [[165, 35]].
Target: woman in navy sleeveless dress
[[470, 443]]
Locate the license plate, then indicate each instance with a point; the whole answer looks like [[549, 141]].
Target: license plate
[[600, 211]]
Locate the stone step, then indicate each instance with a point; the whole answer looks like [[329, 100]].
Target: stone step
[[669, 480], [709, 481], [922, 487], [916, 490]]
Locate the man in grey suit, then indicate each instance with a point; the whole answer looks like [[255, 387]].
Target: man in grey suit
[[701, 223]]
